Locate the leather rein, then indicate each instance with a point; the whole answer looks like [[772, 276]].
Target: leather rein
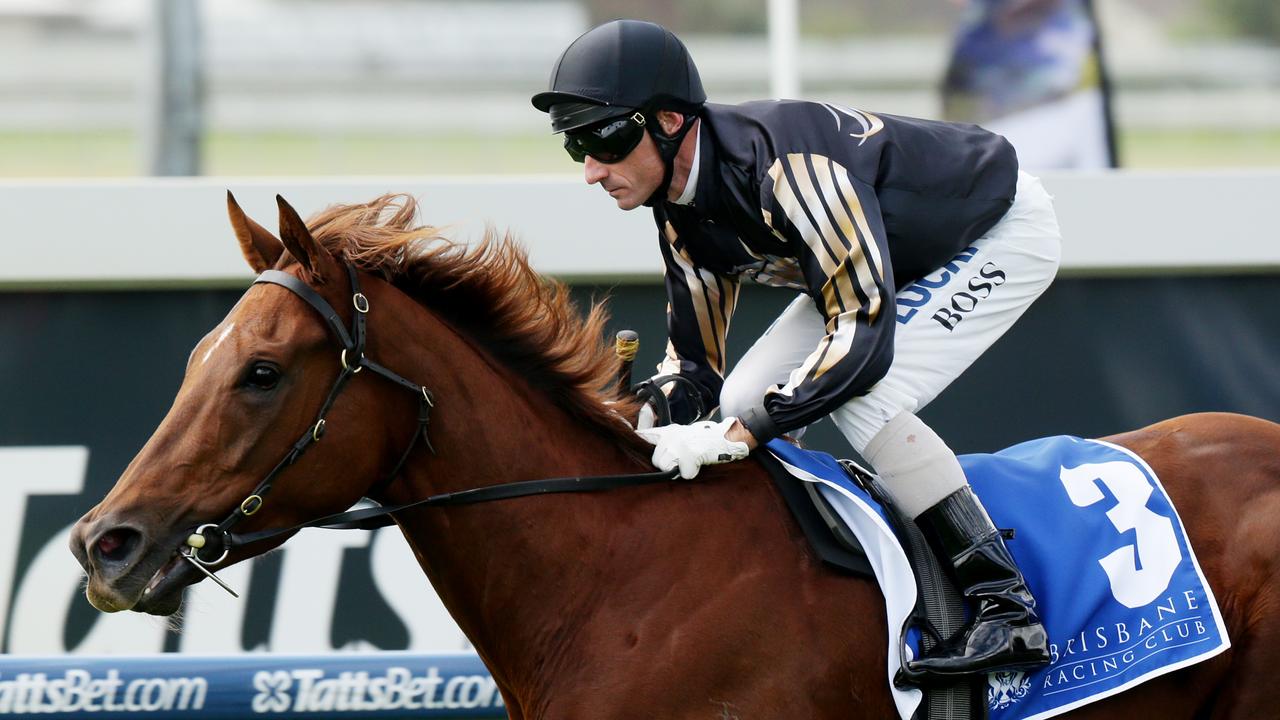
[[211, 543]]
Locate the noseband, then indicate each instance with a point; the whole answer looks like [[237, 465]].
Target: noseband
[[211, 543]]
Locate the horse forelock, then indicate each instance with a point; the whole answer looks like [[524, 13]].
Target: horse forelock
[[489, 292]]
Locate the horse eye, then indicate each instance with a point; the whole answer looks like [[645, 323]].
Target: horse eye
[[262, 376]]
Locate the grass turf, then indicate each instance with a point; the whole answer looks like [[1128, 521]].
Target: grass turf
[[117, 154]]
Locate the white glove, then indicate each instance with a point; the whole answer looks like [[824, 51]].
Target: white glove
[[646, 418], [692, 446]]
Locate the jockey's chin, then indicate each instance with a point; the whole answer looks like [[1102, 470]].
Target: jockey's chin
[[627, 199], [631, 180]]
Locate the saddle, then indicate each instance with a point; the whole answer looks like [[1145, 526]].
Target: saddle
[[940, 609]]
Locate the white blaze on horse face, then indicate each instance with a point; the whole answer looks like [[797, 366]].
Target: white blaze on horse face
[[221, 336]]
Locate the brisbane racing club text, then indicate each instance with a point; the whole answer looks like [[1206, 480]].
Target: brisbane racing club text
[[1103, 652]]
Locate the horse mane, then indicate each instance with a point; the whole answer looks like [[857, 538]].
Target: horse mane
[[490, 293]]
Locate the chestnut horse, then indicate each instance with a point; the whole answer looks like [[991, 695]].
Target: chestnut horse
[[673, 600]]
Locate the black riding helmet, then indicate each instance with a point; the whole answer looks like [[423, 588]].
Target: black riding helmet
[[617, 69]]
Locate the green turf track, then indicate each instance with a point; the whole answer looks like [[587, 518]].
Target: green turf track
[[116, 154]]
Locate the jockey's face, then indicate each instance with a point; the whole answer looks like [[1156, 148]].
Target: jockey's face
[[631, 180]]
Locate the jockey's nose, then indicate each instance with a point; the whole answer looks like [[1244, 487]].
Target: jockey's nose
[[593, 171]]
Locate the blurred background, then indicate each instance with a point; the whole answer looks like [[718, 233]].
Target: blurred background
[[324, 87]]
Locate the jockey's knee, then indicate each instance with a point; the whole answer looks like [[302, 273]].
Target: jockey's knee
[[861, 419]]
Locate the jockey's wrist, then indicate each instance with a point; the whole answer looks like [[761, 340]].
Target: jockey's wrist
[[757, 422], [738, 432]]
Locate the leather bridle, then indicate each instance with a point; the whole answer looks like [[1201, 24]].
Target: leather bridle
[[211, 543], [216, 538]]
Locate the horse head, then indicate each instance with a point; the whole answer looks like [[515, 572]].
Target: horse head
[[252, 386]]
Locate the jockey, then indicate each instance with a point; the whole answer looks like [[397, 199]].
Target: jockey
[[850, 209]]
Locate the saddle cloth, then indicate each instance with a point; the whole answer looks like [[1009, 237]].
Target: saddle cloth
[[1104, 552]]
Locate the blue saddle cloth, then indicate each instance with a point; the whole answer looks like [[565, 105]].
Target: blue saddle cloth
[[1104, 552]]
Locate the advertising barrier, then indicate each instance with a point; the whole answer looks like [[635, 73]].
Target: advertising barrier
[[382, 685], [324, 591]]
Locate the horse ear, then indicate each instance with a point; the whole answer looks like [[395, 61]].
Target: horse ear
[[299, 242], [260, 248]]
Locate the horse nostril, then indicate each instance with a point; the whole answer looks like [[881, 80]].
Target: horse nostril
[[117, 544]]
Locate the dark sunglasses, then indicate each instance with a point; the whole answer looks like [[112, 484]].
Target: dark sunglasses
[[608, 141]]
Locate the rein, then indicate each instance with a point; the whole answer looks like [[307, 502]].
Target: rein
[[218, 540]]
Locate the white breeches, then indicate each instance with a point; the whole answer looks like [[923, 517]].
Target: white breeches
[[945, 321]]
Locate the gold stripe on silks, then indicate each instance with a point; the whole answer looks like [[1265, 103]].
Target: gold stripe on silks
[[860, 217], [790, 203], [837, 292], [830, 302], [669, 231], [731, 302], [840, 256], [699, 297], [800, 374], [826, 240], [831, 199], [841, 344], [746, 249], [833, 348], [705, 300], [865, 273], [718, 311], [776, 174]]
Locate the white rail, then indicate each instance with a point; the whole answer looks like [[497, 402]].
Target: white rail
[[174, 232]]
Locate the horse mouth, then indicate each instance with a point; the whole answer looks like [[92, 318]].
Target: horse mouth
[[163, 593]]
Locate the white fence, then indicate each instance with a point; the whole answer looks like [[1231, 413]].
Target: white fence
[[174, 232]]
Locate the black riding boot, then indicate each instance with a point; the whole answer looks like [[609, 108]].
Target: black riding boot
[[1005, 633]]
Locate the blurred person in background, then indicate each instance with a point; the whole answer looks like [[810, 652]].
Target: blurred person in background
[[849, 209], [1032, 70]]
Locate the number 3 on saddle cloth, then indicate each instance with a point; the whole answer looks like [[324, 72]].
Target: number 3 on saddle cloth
[[1102, 548]]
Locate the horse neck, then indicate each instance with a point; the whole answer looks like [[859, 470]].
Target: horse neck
[[502, 567]]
